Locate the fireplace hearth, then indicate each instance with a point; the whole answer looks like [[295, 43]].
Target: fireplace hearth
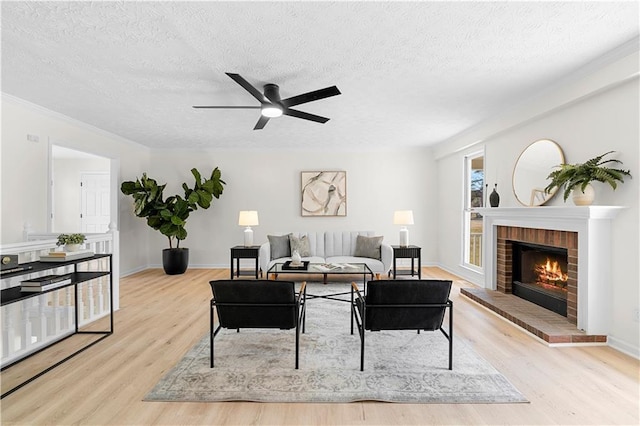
[[539, 274], [585, 232]]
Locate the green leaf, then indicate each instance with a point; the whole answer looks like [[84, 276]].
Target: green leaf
[[205, 199], [177, 221], [209, 186], [193, 198], [128, 187], [196, 174]]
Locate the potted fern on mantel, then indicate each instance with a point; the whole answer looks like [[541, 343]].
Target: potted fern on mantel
[[169, 216], [577, 178]]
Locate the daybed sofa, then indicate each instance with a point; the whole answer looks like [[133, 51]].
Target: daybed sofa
[[329, 247]]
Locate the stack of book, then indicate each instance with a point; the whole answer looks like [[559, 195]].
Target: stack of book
[[44, 283], [62, 256]]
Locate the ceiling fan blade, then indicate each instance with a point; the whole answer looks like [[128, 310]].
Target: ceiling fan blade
[[248, 87], [304, 115], [261, 122], [226, 107], [311, 96]]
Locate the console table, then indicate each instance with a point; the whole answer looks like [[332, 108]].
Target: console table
[[13, 295], [407, 252], [244, 252]]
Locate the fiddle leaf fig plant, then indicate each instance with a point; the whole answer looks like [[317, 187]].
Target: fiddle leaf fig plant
[[580, 175], [169, 216]]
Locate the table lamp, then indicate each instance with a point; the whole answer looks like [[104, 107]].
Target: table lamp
[[248, 218], [403, 217]]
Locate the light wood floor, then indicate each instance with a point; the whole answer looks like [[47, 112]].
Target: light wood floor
[[161, 317]]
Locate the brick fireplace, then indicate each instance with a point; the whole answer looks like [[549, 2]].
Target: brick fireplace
[[586, 234], [505, 238]]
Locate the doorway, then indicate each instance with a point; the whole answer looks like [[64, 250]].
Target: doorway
[[80, 191]]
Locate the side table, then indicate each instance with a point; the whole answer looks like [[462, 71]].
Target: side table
[[244, 252], [407, 252]]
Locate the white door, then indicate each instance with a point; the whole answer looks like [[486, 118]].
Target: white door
[[94, 196]]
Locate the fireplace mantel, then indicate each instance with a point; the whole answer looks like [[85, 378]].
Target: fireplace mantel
[[593, 225]]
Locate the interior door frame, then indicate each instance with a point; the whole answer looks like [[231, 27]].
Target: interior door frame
[[114, 173]]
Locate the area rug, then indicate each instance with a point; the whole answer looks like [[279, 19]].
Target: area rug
[[400, 366]]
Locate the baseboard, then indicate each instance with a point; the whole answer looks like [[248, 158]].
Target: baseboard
[[472, 277], [133, 271], [191, 266], [624, 347]]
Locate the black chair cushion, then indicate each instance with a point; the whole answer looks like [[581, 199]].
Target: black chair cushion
[[254, 295], [405, 292]]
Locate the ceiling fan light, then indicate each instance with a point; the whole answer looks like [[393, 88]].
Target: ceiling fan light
[[271, 111]]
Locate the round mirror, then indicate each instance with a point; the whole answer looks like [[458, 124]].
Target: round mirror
[[531, 171]]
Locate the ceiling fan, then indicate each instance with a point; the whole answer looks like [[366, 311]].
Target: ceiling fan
[[272, 106]]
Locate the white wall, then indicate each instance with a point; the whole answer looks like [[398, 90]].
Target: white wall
[[24, 173], [602, 120], [377, 184]]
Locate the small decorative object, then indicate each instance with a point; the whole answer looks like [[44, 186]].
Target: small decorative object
[[486, 192], [580, 175], [71, 242], [248, 218], [324, 193], [494, 198], [403, 217], [296, 259]]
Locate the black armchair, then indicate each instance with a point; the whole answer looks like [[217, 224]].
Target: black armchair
[[257, 304], [402, 305]]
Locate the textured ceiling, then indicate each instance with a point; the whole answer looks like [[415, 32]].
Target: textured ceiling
[[411, 74]]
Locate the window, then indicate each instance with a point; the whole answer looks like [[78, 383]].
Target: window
[[474, 197]]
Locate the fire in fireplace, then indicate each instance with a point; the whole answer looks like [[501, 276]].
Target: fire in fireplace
[[540, 275]]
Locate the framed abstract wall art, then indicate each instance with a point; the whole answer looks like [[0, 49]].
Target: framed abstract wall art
[[324, 193]]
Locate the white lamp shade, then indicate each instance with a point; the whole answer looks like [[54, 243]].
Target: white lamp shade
[[248, 218], [403, 217]]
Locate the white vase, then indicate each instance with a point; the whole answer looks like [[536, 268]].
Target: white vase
[[296, 259], [71, 247], [585, 198]]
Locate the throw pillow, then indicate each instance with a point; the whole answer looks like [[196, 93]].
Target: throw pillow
[[279, 246], [300, 244], [368, 247]]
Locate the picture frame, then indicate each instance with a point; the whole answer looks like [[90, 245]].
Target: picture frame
[[323, 193]]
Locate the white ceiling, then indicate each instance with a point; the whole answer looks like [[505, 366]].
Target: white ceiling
[[410, 73]]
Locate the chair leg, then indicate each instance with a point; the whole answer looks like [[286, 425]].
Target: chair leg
[[362, 333], [362, 349], [297, 345], [304, 311], [451, 336], [353, 311], [211, 337]]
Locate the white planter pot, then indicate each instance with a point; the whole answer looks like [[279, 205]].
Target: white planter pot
[[583, 198], [71, 247]]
